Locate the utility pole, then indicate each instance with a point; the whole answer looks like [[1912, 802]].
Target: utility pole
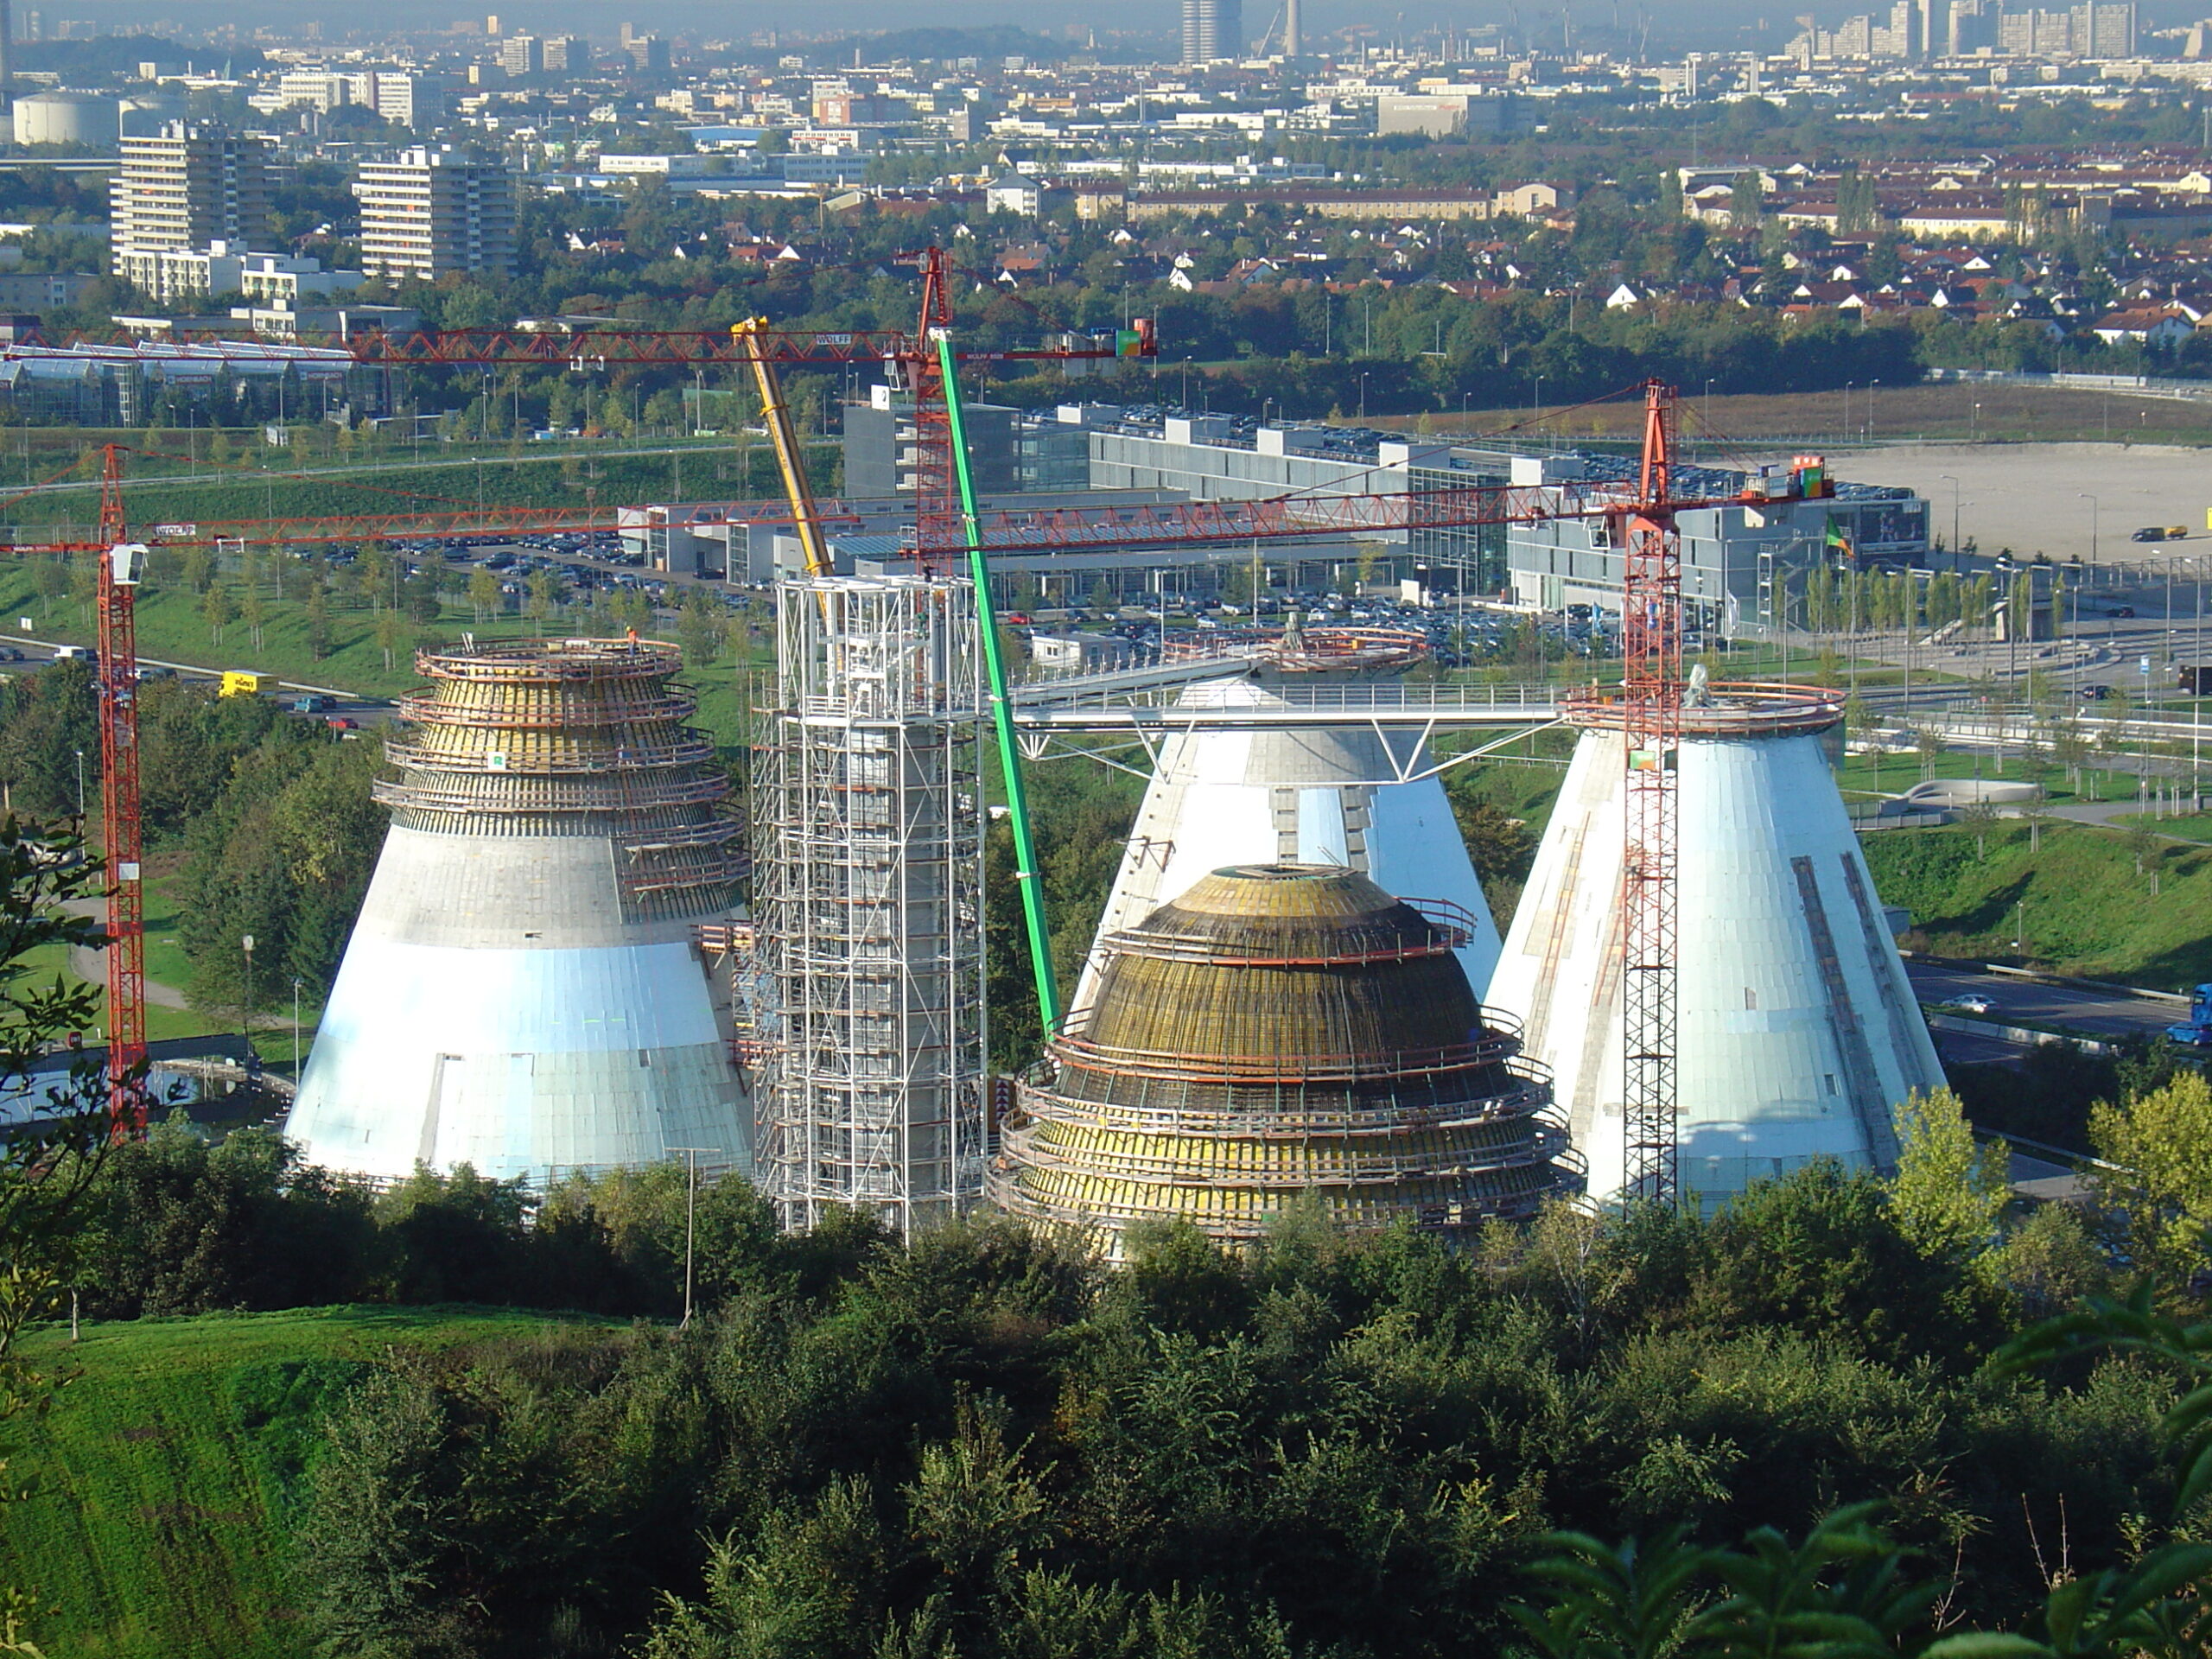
[[691, 1218]]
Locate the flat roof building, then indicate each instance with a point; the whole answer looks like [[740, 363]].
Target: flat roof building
[[190, 185], [434, 212]]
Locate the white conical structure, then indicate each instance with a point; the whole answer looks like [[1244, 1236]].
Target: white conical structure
[[1226, 795], [1796, 1029], [522, 992]]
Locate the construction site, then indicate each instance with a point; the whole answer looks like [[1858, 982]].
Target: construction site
[[1296, 996]]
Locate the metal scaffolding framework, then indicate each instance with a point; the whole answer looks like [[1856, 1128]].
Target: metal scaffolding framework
[[868, 902]]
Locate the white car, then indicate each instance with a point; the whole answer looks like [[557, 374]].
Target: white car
[[1973, 1003]]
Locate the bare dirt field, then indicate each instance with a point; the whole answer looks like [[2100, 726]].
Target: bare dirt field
[[2026, 459], [1944, 412]]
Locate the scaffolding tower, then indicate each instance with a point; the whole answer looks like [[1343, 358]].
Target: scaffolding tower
[[869, 823]]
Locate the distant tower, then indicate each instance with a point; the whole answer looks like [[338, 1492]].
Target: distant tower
[[1797, 1032], [522, 992], [1212, 29], [1294, 36], [867, 897], [1281, 1034], [1261, 794]]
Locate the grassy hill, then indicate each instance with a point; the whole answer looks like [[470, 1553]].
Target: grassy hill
[[2085, 910], [161, 1484]]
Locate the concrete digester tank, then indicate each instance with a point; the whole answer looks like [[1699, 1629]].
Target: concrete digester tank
[[1280, 1034], [1798, 1031], [522, 991], [1252, 793]]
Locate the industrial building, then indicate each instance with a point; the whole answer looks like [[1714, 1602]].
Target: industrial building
[[868, 901], [1797, 1031], [1740, 561], [522, 992], [1280, 1034], [1352, 795]]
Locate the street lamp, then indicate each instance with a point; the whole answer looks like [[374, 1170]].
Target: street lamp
[[80, 786], [1363, 394], [1954, 483], [296, 1029], [1871, 384], [1708, 403], [245, 943], [2096, 514], [1847, 385]]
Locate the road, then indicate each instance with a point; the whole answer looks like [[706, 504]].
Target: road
[[2092, 1012]]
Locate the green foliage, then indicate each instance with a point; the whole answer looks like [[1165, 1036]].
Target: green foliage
[[1949, 1192], [2158, 1192], [284, 853]]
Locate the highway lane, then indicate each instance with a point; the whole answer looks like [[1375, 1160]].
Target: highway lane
[[2092, 1012]]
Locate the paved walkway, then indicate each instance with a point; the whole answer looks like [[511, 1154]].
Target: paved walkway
[[89, 963]]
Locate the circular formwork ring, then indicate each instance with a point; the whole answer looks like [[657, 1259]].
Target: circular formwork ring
[[1530, 1098], [625, 759], [1451, 927], [1732, 709], [670, 707], [1378, 1168], [550, 661]]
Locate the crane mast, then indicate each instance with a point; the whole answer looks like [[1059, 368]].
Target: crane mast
[[1651, 724], [121, 563]]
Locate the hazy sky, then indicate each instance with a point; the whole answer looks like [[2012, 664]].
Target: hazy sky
[[596, 18]]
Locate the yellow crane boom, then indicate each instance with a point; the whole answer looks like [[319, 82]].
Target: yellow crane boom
[[776, 416]]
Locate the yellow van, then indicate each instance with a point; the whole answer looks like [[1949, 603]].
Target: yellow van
[[239, 683]]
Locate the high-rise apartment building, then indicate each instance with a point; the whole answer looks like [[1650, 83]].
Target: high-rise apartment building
[[1212, 29], [435, 211], [522, 55], [189, 185]]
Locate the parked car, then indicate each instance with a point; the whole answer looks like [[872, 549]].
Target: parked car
[[342, 723]]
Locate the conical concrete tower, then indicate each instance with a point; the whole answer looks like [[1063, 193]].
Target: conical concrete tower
[[1796, 1028], [1317, 795], [522, 992]]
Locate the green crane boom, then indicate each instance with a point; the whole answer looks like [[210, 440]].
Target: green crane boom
[[1017, 796]]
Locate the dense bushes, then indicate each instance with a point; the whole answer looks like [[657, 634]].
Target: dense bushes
[[980, 1446]]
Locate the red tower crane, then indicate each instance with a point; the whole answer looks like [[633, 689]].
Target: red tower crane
[[1651, 726]]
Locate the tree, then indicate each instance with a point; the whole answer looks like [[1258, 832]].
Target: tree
[[253, 610], [49, 1167], [2157, 1196], [483, 593], [219, 610], [700, 631], [547, 591], [317, 620], [392, 635], [1747, 202], [1948, 1193]]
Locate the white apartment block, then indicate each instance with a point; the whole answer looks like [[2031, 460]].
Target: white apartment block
[[393, 94], [180, 273], [435, 211], [190, 185]]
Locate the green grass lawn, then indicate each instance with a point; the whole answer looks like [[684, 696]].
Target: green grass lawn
[[162, 1482], [2085, 909]]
